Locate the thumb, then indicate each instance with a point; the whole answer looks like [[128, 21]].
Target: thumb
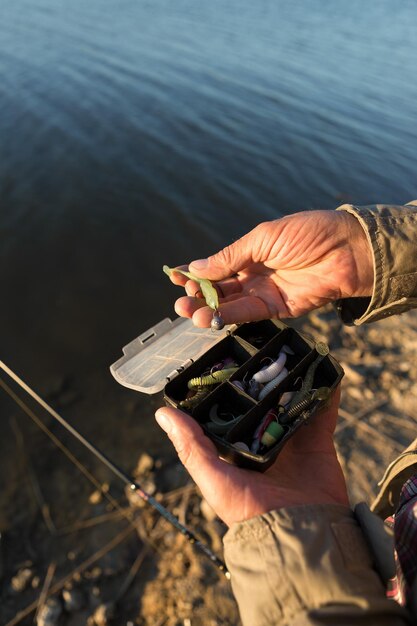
[[229, 260], [196, 452]]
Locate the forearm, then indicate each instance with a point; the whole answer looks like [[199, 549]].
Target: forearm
[[392, 236], [305, 566]]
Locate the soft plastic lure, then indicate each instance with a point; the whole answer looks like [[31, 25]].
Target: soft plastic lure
[[273, 383], [218, 424], [322, 350], [212, 379], [191, 403], [272, 434], [254, 388], [268, 418], [271, 371], [209, 292]]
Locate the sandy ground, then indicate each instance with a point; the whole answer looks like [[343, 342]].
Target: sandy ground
[[76, 553]]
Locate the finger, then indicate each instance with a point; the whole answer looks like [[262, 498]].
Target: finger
[[237, 310], [234, 310], [224, 288], [177, 278], [192, 288], [187, 305], [196, 452], [229, 260], [228, 287]]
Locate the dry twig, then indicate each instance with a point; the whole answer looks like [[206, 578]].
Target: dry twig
[[45, 589]]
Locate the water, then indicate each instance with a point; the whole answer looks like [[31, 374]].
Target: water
[[134, 134]]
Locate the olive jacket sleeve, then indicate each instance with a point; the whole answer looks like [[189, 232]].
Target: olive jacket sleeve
[[307, 566], [311, 565], [392, 236]]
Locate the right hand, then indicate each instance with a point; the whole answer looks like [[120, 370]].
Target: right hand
[[284, 268]]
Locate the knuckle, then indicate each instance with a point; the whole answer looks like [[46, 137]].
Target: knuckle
[[225, 257]]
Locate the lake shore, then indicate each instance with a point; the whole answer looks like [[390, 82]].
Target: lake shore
[[113, 560]]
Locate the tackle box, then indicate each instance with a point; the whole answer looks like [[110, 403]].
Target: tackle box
[[171, 353]]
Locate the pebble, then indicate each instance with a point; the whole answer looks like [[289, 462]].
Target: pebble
[[144, 465], [36, 581], [94, 573], [73, 600], [96, 497], [49, 613], [95, 598], [149, 485], [356, 393], [103, 614], [21, 580]]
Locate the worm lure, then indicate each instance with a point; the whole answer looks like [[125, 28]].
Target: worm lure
[[218, 424], [319, 395], [212, 379], [209, 292], [207, 289], [322, 350], [254, 388], [191, 403], [268, 377], [271, 371], [273, 383]]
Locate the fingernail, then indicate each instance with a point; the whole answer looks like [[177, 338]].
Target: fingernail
[[164, 421], [200, 264]]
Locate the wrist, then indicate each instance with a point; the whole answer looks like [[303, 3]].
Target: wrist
[[361, 283]]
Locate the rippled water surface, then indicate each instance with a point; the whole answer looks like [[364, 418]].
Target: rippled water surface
[[134, 134]]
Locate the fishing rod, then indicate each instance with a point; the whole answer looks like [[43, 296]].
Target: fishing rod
[[125, 478]]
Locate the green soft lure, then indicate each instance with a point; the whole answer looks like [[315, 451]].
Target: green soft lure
[[212, 379], [191, 403], [209, 292]]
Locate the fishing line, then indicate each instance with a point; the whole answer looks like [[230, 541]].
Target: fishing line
[[125, 478]]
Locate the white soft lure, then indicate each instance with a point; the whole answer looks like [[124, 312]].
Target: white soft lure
[[273, 383], [271, 371]]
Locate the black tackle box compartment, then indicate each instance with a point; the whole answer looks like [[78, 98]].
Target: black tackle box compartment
[[171, 354]]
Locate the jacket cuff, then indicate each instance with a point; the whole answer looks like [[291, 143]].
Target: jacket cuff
[[392, 235], [300, 560]]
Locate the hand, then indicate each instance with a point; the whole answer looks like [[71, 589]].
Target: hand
[[306, 471], [284, 268]]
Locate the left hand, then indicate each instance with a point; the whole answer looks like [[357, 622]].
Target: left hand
[[306, 471]]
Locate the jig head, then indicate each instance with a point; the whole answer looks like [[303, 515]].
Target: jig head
[[217, 322]]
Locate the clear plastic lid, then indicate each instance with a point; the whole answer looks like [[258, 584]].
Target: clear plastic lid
[[159, 354]]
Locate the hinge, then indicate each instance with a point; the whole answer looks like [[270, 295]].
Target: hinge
[[179, 369]]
